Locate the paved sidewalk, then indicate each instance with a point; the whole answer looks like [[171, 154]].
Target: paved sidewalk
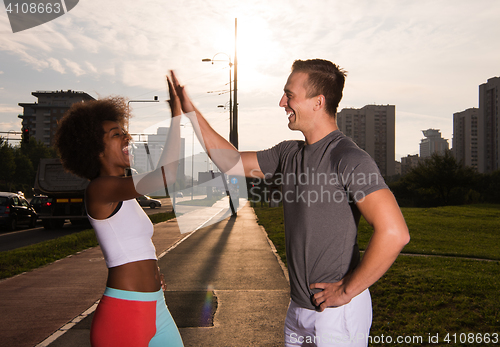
[[227, 269]]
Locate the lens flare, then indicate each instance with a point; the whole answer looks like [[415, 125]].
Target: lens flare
[[208, 305]]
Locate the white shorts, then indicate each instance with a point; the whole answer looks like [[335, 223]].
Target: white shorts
[[347, 325]]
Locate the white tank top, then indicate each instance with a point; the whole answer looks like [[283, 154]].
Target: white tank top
[[125, 237]]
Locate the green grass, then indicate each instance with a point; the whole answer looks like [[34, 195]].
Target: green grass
[[271, 218], [31, 257], [461, 231], [161, 217], [429, 295]]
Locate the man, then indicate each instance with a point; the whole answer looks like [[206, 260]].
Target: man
[[327, 183]]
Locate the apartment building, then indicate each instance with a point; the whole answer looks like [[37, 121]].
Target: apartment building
[[476, 130], [372, 128], [465, 137], [488, 126], [433, 143], [42, 116]]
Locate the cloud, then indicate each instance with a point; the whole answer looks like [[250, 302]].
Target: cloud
[[427, 58], [9, 109], [56, 65], [90, 67], [74, 67]]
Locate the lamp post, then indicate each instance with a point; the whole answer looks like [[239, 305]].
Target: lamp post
[[231, 121], [233, 106], [155, 99], [146, 147], [234, 128]]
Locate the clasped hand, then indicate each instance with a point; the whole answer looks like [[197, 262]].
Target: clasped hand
[[179, 100], [331, 295]]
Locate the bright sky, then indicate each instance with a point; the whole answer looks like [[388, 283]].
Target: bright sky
[[426, 57]]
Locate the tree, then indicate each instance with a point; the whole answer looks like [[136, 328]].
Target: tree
[[25, 174], [19, 164], [491, 187], [36, 150], [8, 166], [441, 180]]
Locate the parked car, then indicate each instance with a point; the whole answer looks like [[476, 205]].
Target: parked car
[[179, 195], [37, 202], [14, 210], [147, 201]]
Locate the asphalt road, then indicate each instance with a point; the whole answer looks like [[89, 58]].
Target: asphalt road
[[25, 236]]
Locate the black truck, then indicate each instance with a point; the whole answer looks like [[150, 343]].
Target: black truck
[[65, 194]]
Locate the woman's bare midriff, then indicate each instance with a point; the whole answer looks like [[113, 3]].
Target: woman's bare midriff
[[139, 276]]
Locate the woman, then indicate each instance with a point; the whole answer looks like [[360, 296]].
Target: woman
[[93, 143]]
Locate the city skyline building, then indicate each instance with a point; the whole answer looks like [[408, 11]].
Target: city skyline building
[[147, 153], [41, 117], [373, 129], [409, 162], [433, 143], [465, 145], [476, 140], [488, 126]]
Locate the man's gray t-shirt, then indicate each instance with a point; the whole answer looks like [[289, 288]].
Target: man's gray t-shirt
[[320, 185]]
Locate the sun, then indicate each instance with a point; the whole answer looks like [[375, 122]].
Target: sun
[[256, 51]]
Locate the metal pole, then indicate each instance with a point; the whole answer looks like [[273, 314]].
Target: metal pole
[[192, 167], [234, 128], [230, 103]]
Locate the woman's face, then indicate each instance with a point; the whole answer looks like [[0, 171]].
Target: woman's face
[[116, 154]]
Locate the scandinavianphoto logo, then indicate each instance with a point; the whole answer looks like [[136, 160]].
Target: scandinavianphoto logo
[[26, 14]]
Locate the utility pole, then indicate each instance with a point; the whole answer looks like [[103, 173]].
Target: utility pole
[[234, 130]]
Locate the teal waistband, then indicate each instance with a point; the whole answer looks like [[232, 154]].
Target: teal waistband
[[135, 296]]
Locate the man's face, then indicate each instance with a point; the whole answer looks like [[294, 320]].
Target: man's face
[[297, 106]]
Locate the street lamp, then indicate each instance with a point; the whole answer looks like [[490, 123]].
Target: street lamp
[[146, 147], [231, 120], [233, 108], [233, 115]]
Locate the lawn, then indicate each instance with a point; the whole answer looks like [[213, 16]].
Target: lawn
[[461, 231], [432, 293]]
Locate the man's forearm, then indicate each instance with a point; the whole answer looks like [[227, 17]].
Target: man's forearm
[[220, 150]]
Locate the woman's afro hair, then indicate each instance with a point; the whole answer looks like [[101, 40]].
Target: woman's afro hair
[[79, 136]]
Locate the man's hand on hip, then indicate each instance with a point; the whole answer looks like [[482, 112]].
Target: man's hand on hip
[[331, 295]]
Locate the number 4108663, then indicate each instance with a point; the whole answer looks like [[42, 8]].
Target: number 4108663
[[33, 8]]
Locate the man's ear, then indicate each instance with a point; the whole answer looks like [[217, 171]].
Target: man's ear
[[320, 102]]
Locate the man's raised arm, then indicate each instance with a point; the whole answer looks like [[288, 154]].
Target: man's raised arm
[[222, 152]]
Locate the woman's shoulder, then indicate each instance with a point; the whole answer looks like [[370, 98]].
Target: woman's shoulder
[[95, 187], [97, 198]]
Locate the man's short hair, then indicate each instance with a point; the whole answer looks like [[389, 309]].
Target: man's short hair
[[325, 78]]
